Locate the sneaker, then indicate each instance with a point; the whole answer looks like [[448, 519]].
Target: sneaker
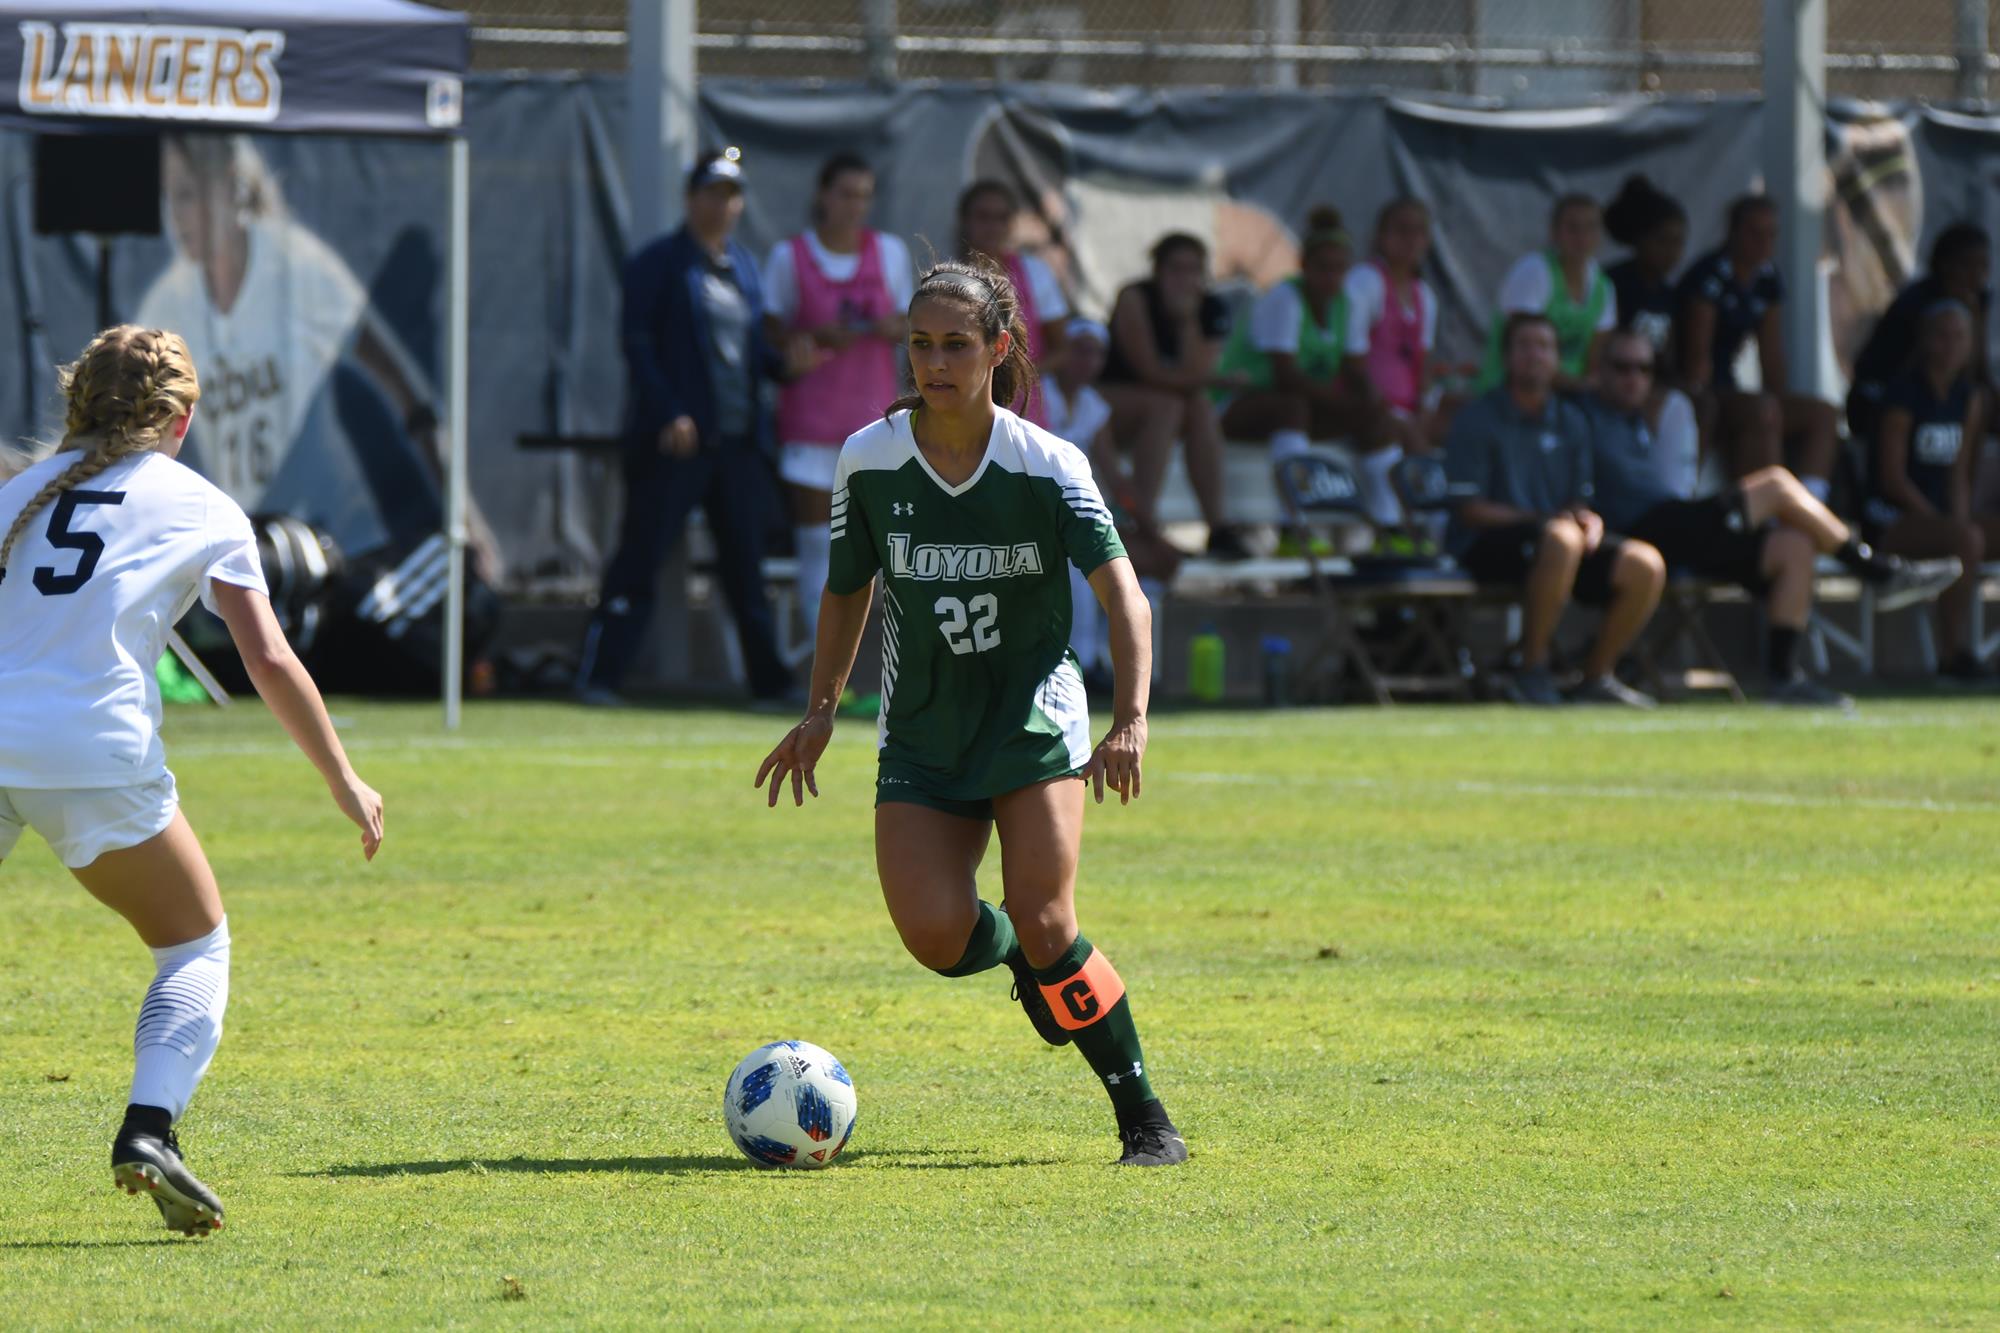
[[1226, 543], [1150, 1139], [1965, 669], [1534, 685], [145, 1162], [1802, 691], [597, 696], [859, 705], [1906, 583], [1611, 690], [1029, 993]]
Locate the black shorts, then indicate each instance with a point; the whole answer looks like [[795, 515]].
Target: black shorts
[[1505, 555], [1710, 538]]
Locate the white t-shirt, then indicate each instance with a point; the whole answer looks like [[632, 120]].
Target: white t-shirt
[[1368, 301], [1078, 421], [263, 361], [1045, 291], [1528, 288], [83, 617], [781, 280], [1274, 322], [1677, 445]]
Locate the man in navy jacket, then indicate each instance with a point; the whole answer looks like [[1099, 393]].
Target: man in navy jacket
[[695, 349]]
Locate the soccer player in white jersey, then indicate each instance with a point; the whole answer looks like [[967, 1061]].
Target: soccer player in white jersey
[[972, 516], [107, 543]]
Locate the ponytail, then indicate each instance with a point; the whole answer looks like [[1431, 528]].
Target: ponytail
[[122, 397], [983, 288]]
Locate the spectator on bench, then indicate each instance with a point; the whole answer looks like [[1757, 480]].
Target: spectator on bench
[[1392, 317], [1079, 414], [1297, 377], [1655, 226], [1525, 455], [848, 289], [1564, 285], [1166, 340], [1961, 267], [988, 212], [1764, 532], [1728, 297], [1920, 484]]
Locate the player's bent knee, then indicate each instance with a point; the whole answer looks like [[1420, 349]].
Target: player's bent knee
[[938, 948]]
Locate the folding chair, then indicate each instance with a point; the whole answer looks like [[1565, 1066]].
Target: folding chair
[[1424, 653]]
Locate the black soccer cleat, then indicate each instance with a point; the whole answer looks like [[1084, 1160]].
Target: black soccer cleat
[[147, 1161], [1150, 1139], [1029, 992]]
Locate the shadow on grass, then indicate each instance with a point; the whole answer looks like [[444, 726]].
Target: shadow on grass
[[82, 1244], [650, 1166], [920, 1159]]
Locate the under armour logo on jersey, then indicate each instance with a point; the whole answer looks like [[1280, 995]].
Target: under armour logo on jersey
[[902, 509]]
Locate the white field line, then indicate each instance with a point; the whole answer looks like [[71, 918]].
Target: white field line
[[1480, 722], [1594, 791]]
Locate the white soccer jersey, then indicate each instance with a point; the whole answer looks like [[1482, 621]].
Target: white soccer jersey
[[92, 587], [264, 360]]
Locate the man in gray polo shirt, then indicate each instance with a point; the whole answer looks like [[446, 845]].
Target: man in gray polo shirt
[[1524, 453]]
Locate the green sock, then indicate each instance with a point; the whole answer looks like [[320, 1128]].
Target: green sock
[[1088, 998], [991, 941]]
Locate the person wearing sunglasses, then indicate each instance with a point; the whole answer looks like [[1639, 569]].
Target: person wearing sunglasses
[[1521, 454], [1764, 532]]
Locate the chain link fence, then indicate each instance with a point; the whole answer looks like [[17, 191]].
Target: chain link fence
[[1910, 48]]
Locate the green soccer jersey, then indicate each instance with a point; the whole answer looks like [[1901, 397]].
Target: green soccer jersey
[[980, 693]]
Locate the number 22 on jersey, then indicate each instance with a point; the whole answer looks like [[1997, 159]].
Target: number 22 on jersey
[[969, 627]]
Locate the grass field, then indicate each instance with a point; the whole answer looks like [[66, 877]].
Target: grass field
[[1471, 1017]]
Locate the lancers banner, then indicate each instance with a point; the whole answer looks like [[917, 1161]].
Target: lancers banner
[[363, 66]]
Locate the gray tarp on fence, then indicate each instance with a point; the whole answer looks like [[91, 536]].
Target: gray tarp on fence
[[354, 315]]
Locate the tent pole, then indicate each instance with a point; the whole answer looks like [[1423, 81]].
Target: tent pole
[[1795, 174], [457, 295]]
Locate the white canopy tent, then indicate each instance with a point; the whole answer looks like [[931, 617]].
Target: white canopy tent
[[389, 67]]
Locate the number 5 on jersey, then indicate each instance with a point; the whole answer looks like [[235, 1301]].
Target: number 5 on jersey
[[88, 545], [979, 616]]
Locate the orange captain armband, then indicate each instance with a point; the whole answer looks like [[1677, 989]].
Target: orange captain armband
[[1082, 999]]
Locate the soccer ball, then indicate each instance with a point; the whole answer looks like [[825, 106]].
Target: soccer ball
[[789, 1104]]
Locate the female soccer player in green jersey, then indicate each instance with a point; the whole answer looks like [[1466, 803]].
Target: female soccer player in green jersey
[[970, 514]]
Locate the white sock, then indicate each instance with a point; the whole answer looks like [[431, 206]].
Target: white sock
[[1818, 487], [1378, 492], [1084, 615], [180, 1023], [1288, 444], [815, 546]]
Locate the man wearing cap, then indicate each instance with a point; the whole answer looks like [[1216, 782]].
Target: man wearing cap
[[695, 349]]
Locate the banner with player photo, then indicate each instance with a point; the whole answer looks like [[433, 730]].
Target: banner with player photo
[[307, 272]]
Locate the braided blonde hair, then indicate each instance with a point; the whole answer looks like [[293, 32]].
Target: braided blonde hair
[[123, 396]]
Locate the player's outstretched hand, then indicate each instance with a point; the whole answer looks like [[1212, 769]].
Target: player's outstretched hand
[[362, 804], [797, 755], [1115, 762]]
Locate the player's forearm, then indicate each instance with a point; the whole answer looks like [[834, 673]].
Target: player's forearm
[[842, 618], [1131, 620], [288, 691]]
